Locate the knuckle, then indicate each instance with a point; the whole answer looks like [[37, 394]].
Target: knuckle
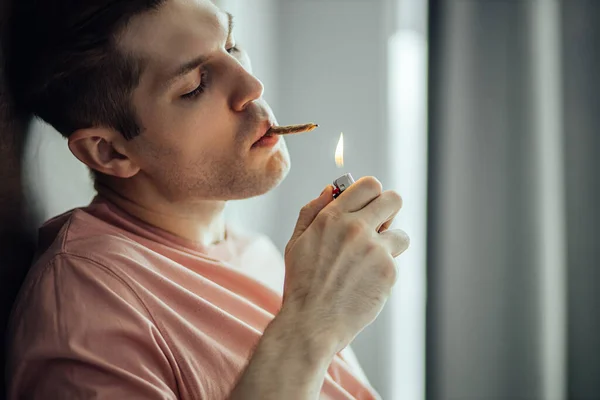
[[288, 248], [373, 249], [388, 271], [355, 229], [321, 222], [305, 210], [395, 198], [372, 184], [327, 217]]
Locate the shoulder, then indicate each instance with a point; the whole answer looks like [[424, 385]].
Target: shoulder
[[78, 239], [69, 296], [77, 231], [76, 322], [69, 286]]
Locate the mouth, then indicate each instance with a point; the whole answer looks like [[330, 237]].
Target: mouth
[[266, 138]]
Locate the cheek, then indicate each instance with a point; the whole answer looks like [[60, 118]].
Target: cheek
[[200, 132], [204, 144], [189, 130]]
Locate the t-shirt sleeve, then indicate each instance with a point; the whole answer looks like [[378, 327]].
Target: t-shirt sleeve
[[79, 332]]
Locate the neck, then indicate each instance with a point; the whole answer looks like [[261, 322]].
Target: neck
[[201, 222]]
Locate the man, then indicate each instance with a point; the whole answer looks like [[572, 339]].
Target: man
[[146, 293]]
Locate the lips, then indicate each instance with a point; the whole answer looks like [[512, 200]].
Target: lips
[[265, 131], [265, 138]]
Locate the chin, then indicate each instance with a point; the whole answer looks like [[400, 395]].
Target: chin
[[268, 178], [283, 173], [271, 180]]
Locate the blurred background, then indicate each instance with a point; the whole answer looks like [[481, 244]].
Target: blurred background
[[483, 114]]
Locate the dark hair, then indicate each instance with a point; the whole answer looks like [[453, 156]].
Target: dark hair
[[64, 64]]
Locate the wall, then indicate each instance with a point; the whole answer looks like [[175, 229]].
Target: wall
[[256, 31], [333, 67]]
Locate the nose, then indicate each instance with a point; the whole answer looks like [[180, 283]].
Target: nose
[[246, 89]]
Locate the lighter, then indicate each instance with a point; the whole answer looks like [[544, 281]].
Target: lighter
[[342, 183]]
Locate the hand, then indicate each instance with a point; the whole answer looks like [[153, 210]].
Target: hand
[[340, 265]]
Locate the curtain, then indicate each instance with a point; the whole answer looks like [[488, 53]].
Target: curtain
[[512, 250]]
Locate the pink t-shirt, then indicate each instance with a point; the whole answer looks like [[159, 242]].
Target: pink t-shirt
[[116, 309]]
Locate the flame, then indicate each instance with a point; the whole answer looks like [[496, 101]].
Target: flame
[[339, 152]]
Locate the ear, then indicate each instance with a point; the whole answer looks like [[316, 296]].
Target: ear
[[103, 150]]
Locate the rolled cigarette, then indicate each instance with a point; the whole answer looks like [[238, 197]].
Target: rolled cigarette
[[291, 129]]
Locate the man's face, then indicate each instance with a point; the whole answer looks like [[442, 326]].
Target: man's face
[[200, 108]]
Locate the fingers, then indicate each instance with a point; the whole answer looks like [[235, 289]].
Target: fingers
[[395, 241], [380, 213], [311, 210], [359, 194], [386, 225]]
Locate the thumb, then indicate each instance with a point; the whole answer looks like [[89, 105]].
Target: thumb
[[310, 211]]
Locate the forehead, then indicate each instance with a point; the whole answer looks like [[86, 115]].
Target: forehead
[[178, 30]]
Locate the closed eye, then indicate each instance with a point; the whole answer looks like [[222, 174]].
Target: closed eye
[[199, 90]]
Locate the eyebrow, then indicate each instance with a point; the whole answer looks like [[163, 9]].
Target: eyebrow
[[198, 61]]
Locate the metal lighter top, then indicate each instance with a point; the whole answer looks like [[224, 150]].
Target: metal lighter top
[[342, 183]]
